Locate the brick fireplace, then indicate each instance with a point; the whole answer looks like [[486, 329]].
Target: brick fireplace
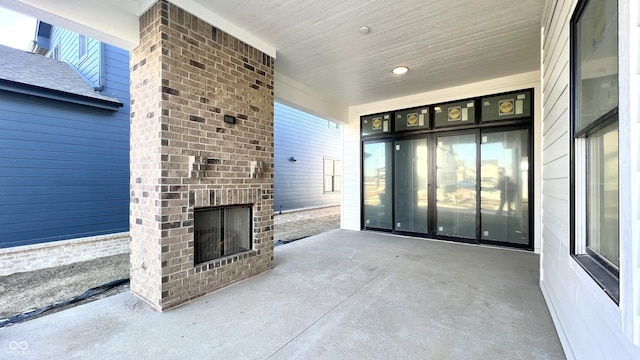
[[201, 136]]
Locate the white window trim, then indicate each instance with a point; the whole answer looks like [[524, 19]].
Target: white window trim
[[580, 211], [629, 159]]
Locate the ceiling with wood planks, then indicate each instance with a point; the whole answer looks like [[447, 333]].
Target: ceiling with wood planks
[[317, 43], [443, 42]]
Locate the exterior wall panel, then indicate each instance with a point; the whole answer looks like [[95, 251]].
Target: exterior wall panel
[[88, 65], [65, 167], [350, 216], [588, 322], [64, 171], [116, 73], [309, 139]]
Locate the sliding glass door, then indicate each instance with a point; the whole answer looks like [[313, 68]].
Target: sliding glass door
[[378, 185], [456, 186], [411, 191], [472, 185], [504, 198], [456, 170]]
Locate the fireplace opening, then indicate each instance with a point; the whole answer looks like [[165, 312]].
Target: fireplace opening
[[221, 231]]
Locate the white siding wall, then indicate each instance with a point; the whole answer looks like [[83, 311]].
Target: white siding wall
[[351, 194], [350, 217], [589, 323], [630, 164], [308, 138]]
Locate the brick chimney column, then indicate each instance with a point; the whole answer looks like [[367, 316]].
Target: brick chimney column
[[186, 75]]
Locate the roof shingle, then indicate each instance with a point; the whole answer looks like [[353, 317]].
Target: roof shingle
[[40, 71]]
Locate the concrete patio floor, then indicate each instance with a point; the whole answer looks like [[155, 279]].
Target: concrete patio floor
[[337, 295]]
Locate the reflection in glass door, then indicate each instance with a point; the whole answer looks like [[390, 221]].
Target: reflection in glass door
[[472, 185], [456, 186], [505, 187], [410, 179], [377, 185]]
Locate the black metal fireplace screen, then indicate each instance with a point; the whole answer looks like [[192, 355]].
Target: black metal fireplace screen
[[221, 231]]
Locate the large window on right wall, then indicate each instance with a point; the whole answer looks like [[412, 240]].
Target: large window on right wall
[[594, 149]]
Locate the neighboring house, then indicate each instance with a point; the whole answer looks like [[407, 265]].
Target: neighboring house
[[64, 139], [66, 136], [307, 160], [64, 121]]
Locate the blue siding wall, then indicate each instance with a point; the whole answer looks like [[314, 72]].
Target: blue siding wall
[[116, 82], [309, 139], [89, 64], [64, 168]]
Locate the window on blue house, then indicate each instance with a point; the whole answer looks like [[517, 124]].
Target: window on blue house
[[55, 53], [82, 46]]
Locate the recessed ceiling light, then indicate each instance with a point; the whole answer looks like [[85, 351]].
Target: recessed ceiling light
[[364, 30], [399, 70]]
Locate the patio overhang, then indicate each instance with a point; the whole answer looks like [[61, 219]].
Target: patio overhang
[[327, 65]]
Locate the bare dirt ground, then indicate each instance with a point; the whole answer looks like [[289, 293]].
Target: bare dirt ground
[[24, 292]]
